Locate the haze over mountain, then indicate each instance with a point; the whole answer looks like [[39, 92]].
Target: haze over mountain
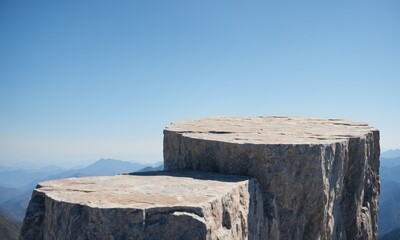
[[389, 202], [9, 230], [156, 167], [20, 182], [16, 186], [392, 235], [391, 153], [390, 162], [19, 178]]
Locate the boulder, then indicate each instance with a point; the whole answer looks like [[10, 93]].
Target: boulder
[[319, 177], [155, 205]]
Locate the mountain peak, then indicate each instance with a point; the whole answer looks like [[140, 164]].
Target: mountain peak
[[111, 167]]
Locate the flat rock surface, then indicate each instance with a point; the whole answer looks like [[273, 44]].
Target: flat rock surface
[[146, 190], [153, 205], [319, 177], [270, 130]]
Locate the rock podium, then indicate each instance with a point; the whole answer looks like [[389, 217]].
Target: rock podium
[[319, 177], [155, 205], [228, 178]]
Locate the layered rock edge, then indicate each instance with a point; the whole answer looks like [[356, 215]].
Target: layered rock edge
[[319, 177], [156, 205]]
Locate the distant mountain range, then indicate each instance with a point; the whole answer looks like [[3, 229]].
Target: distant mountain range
[[391, 153], [16, 185], [390, 162], [389, 201], [393, 235], [21, 178], [151, 169], [389, 206], [9, 230]]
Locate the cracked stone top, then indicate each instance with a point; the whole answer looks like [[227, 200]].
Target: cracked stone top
[[142, 190], [271, 130]]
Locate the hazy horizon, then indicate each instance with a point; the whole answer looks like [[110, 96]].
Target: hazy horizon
[[83, 80], [74, 163]]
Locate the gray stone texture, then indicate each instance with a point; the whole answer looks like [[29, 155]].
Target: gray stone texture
[[155, 205], [319, 177]]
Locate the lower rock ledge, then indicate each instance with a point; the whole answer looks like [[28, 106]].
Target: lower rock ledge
[[155, 205]]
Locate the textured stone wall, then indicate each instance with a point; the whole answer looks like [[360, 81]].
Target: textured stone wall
[[320, 178], [157, 205]]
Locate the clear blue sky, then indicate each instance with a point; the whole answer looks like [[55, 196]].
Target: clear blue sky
[[82, 80]]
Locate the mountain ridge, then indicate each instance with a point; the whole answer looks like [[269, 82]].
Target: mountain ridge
[[14, 201], [389, 202], [392, 235], [9, 230], [392, 153], [390, 162]]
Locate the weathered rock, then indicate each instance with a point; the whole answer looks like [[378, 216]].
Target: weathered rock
[[155, 205], [319, 177]]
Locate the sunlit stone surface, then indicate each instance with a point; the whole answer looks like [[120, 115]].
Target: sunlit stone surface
[[319, 177], [156, 205]]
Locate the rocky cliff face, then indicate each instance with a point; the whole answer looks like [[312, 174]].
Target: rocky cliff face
[[320, 178], [304, 179], [155, 205]]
